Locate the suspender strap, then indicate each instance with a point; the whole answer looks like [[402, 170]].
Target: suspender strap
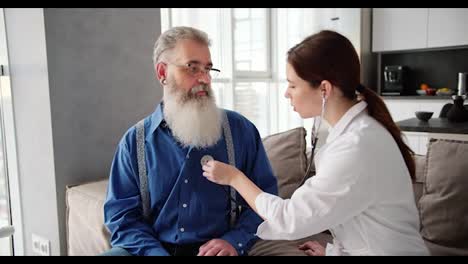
[[232, 161], [144, 191], [140, 138]]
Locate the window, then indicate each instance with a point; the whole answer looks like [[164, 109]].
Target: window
[[249, 45], [10, 207]]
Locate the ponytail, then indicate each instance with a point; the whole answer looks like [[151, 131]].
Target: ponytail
[[378, 110], [342, 69]]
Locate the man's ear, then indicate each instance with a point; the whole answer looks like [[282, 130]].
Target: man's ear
[[161, 70]]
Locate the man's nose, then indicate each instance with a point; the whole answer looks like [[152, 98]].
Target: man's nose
[[204, 77], [286, 94]]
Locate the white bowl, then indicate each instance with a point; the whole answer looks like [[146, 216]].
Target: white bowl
[[421, 92]]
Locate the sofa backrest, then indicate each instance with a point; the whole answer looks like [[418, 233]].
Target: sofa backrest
[[87, 235]]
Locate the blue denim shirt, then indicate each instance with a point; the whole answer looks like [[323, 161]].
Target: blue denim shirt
[[186, 207]]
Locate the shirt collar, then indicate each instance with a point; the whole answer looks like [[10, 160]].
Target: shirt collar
[[341, 125], [156, 119]]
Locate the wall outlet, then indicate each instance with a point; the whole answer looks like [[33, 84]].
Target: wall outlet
[[40, 245]]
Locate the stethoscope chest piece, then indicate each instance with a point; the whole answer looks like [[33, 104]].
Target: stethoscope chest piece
[[204, 160]]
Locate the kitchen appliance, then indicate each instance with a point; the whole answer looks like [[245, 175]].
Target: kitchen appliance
[[458, 112], [395, 80], [462, 83]]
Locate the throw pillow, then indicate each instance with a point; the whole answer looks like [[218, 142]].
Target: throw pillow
[[443, 205], [287, 154]]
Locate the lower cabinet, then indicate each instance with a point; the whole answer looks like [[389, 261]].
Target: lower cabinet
[[418, 141]]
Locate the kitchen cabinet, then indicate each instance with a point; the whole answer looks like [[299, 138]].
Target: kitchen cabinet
[[399, 28], [355, 24], [447, 27], [346, 21], [396, 29]]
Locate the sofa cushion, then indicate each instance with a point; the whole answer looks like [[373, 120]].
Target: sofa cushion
[[287, 154], [443, 205], [86, 232], [420, 165]]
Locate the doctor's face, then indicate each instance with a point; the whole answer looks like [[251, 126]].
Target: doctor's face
[[305, 99]]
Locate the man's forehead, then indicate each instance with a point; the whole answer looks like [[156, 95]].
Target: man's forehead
[[192, 51]]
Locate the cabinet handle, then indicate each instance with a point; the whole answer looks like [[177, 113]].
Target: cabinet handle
[[334, 18], [1, 70]]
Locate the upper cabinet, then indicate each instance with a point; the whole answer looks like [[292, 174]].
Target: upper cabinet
[[346, 21], [355, 24], [447, 27], [418, 28], [399, 28]]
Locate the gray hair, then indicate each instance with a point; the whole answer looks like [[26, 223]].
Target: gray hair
[[168, 40]]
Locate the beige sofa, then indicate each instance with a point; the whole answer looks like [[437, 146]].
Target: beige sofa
[[442, 204]]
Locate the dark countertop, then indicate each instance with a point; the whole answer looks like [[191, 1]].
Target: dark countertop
[[418, 97], [434, 125]]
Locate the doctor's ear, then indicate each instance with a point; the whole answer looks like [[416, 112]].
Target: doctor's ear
[[325, 89]]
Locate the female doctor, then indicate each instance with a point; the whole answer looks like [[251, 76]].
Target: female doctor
[[362, 189]]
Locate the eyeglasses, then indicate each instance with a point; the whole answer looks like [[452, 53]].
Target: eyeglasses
[[194, 69]]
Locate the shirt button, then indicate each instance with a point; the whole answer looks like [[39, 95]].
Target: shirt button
[[242, 252], [184, 205], [240, 244], [187, 156], [182, 229], [185, 181]]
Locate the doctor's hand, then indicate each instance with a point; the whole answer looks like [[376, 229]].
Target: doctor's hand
[[220, 173], [313, 248], [217, 247]]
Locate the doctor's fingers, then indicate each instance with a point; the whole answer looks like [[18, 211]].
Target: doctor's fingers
[[207, 168], [311, 252], [309, 244]]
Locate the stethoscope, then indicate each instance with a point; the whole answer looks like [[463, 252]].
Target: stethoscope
[[314, 138], [203, 161]]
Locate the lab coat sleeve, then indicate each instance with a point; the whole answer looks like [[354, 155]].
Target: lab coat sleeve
[[342, 188]]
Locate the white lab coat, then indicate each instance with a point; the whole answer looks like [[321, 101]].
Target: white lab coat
[[361, 192]]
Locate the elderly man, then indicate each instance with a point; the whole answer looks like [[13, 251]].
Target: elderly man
[[158, 202]]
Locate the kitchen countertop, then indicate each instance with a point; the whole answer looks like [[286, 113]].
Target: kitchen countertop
[[418, 97], [434, 125]]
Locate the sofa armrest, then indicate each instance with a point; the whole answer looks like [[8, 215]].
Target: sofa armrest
[[86, 233]]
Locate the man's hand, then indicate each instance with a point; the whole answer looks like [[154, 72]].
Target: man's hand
[[217, 247], [313, 248]]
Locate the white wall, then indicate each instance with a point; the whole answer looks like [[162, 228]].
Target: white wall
[[31, 102]]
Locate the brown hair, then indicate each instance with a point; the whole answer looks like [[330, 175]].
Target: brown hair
[[330, 56]]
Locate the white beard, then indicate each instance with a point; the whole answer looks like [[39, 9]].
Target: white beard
[[194, 121]]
